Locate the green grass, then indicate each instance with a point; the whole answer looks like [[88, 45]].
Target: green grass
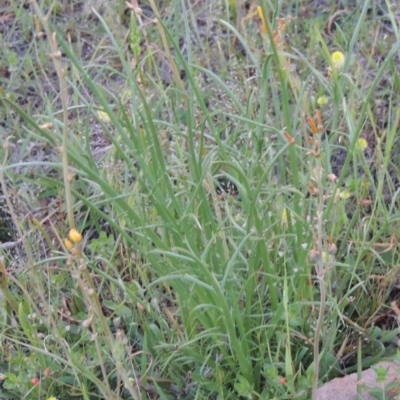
[[178, 288]]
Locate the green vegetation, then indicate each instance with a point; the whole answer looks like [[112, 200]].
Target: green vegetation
[[233, 172]]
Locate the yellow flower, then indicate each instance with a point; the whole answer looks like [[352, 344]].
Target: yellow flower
[[75, 236], [322, 101], [52, 398], [68, 244], [362, 144], [337, 58]]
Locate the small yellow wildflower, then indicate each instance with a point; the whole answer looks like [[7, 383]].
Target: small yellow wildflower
[[337, 59], [75, 236], [322, 101], [68, 244], [52, 398], [104, 116], [345, 194], [362, 144]]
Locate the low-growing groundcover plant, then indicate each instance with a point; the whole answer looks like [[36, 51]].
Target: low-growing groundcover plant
[[200, 198]]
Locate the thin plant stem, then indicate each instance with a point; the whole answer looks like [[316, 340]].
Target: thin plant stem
[[320, 270], [55, 55]]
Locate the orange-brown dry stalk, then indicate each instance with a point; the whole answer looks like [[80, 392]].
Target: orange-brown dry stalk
[[289, 138]]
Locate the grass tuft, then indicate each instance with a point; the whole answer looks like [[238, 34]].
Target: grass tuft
[[198, 199]]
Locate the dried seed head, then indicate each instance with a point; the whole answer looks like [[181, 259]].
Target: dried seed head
[[366, 202], [289, 138], [313, 126], [332, 249], [87, 322], [332, 178], [314, 255], [313, 190]]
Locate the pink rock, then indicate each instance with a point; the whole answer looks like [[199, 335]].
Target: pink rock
[[346, 388]]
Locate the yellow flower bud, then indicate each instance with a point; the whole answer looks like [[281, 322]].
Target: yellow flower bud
[[75, 236], [68, 244]]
